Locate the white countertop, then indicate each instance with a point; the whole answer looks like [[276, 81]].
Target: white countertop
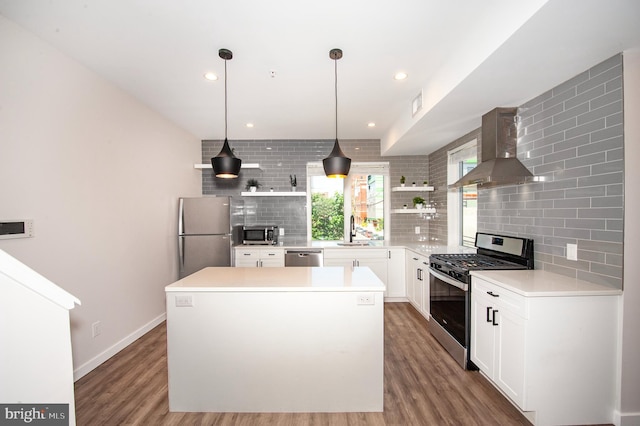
[[425, 247], [334, 278], [541, 283]]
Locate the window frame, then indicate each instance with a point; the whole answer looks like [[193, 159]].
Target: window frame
[[315, 168], [454, 195]]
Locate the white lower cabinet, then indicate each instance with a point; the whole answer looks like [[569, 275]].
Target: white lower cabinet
[[259, 257], [374, 258], [418, 282], [396, 288], [553, 356], [498, 334]]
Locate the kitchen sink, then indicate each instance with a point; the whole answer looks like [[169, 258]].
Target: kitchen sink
[[354, 243]]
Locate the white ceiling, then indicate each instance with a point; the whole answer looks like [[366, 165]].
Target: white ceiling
[[465, 56]]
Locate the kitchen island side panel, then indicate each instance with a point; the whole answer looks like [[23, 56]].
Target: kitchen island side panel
[[282, 351]]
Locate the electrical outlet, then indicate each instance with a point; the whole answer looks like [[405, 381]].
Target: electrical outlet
[[417, 229], [572, 252], [184, 300], [366, 299], [96, 329], [281, 231]]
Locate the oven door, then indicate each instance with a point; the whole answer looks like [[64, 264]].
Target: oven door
[[448, 301]]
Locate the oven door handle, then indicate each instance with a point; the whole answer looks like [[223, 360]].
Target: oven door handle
[[447, 279]]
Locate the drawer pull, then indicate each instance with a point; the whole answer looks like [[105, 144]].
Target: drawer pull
[[492, 294]]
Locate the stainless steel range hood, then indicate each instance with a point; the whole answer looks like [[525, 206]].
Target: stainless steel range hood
[[500, 164]]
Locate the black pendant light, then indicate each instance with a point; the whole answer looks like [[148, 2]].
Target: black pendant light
[[226, 165], [336, 165]]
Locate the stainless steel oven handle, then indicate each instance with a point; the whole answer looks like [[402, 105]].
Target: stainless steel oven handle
[[447, 279]]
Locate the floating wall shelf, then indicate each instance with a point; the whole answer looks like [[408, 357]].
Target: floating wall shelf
[[243, 166], [274, 194], [411, 188], [425, 211]]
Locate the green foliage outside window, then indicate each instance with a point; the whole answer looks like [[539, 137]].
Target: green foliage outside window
[[327, 217]]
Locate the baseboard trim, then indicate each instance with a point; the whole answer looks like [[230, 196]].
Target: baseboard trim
[[93, 363], [626, 419]]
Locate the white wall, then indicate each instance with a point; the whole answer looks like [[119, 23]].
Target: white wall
[[630, 385], [100, 174]]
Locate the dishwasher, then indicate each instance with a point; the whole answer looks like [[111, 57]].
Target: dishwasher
[[305, 257]]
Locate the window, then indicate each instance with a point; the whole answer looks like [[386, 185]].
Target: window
[[331, 203], [462, 203]]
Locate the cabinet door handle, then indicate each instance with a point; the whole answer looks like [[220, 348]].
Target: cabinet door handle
[[489, 313], [492, 294], [257, 263], [493, 320]]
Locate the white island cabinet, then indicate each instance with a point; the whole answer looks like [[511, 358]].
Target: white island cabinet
[[548, 342], [276, 340]]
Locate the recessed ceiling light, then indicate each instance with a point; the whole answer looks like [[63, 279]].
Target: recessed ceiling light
[[249, 125], [211, 76], [400, 76], [371, 124]]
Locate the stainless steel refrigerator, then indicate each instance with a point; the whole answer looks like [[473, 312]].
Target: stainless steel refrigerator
[[208, 228]]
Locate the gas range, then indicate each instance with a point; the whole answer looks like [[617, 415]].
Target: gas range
[[458, 265], [450, 283]]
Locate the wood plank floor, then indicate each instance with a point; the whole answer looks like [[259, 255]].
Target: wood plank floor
[[423, 386]]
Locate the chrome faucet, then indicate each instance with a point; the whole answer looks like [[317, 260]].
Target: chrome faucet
[[352, 229]]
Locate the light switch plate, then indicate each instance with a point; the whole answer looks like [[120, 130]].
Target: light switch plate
[[572, 252]]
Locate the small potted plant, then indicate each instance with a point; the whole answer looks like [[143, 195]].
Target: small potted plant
[[402, 180], [413, 184], [253, 185], [425, 183], [294, 182], [418, 202]]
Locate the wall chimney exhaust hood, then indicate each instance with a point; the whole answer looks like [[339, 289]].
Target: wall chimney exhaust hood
[[500, 164]]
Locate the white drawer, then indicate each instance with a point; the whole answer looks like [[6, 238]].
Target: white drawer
[[351, 253], [506, 299], [271, 253]]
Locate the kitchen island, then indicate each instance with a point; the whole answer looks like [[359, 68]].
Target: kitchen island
[[276, 340]]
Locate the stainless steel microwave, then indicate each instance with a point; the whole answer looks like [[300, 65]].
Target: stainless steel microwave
[[260, 234]]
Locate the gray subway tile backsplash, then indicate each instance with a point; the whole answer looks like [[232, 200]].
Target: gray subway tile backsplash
[[586, 170], [280, 158]]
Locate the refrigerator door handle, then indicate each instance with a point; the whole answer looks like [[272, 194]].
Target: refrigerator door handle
[[181, 252], [180, 216]]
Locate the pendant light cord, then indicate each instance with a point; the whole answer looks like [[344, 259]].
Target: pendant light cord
[[335, 63], [225, 99]]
